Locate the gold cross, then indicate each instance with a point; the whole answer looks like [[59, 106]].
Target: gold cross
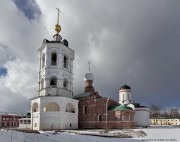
[[58, 15], [89, 66]]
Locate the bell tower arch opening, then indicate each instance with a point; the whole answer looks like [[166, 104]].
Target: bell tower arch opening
[[70, 108], [52, 106], [35, 107], [53, 82], [54, 59]]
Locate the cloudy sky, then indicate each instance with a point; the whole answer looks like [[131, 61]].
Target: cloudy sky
[[127, 41]]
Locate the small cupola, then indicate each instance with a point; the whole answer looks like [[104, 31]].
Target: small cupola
[[125, 87]]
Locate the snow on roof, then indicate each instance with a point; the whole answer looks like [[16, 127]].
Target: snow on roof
[[11, 114]]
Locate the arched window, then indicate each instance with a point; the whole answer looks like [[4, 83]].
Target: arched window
[[65, 62], [85, 110], [53, 82], [65, 84], [52, 106], [35, 107], [42, 83], [70, 108], [100, 118], [43, 60], [53, 59]]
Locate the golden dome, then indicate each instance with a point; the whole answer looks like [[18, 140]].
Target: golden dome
[[57, 28]]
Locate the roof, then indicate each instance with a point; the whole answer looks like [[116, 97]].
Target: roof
[[137, 105], [125, 87], [166, 118], [82, 95], [121, 107], [11, 114]]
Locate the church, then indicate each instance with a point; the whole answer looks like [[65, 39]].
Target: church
[[55, 107], [96, 111]]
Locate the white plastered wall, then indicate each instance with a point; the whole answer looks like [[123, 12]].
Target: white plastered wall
[[142, 117], [50, 120]]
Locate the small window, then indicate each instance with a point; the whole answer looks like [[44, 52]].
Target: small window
[[65, 62], [65, 84], [85, 110], [53, 59], [100, 118], [43, 60], [42, 83], [35, 125]]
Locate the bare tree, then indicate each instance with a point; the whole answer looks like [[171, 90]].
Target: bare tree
[[154, 112], [174, 113], [164, 114]]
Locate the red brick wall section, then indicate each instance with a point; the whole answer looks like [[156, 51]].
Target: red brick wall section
[[96, 106]]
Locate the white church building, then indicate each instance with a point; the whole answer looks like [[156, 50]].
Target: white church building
[[54, 107]]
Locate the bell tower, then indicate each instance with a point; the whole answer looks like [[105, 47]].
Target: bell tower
[[54, 107], [56, 66]]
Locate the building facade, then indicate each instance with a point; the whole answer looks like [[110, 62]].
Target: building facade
[[9, 120], [165, 121], [54, 107]]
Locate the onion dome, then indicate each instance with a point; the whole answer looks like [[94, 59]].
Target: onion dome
[[89, 76], [125, 87], [57, 28]]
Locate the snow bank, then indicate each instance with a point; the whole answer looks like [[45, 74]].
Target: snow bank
[[154, 133]]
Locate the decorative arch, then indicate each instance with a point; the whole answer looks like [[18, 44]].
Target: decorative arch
[[35, 107], [54, 58], [52, 106], [70, 108], [52, 75], [53, 82], [51, 50]]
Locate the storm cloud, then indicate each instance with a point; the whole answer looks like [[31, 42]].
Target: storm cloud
[[132, 42]]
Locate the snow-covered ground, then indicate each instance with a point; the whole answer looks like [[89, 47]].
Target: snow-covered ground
[[154, 133]]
